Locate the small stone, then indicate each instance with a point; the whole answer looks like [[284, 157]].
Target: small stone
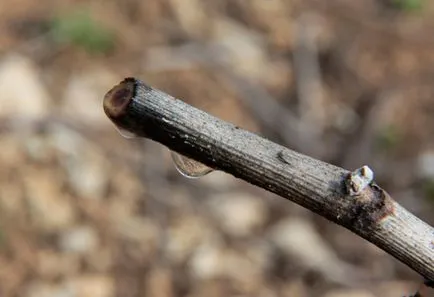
[[22, 91], [140, 231], [51, 265], [184, 234], [191, 15], [244, 49], [238, 213], [79, 240], [38, 148], [49, 208], [87, 176], [84, 164], [206, 262], [93, 286]]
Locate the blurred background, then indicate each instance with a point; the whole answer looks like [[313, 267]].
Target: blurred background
[[86, 212]]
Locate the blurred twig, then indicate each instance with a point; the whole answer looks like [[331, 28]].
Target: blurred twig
[[309, 84]]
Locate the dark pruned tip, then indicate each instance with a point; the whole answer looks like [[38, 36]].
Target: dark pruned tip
[[117, 99]]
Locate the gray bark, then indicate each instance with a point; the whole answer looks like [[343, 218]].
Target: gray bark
[[343, 197]]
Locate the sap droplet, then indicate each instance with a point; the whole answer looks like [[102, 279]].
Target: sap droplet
[[125, 133], [188, 167]]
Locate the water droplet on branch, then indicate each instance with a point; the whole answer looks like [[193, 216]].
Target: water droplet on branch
[[188, 167], [125, 133]]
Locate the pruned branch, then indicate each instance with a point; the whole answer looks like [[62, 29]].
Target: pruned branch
[[350, 199]]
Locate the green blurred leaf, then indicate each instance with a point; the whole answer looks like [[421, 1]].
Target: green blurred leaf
[[388, 138], [409, 5], [428, 189], [3, 238], [80, 29]]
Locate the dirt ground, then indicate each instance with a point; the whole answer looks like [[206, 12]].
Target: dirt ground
[[86, 212]]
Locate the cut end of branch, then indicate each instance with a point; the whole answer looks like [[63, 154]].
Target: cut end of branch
[[117, 99]]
